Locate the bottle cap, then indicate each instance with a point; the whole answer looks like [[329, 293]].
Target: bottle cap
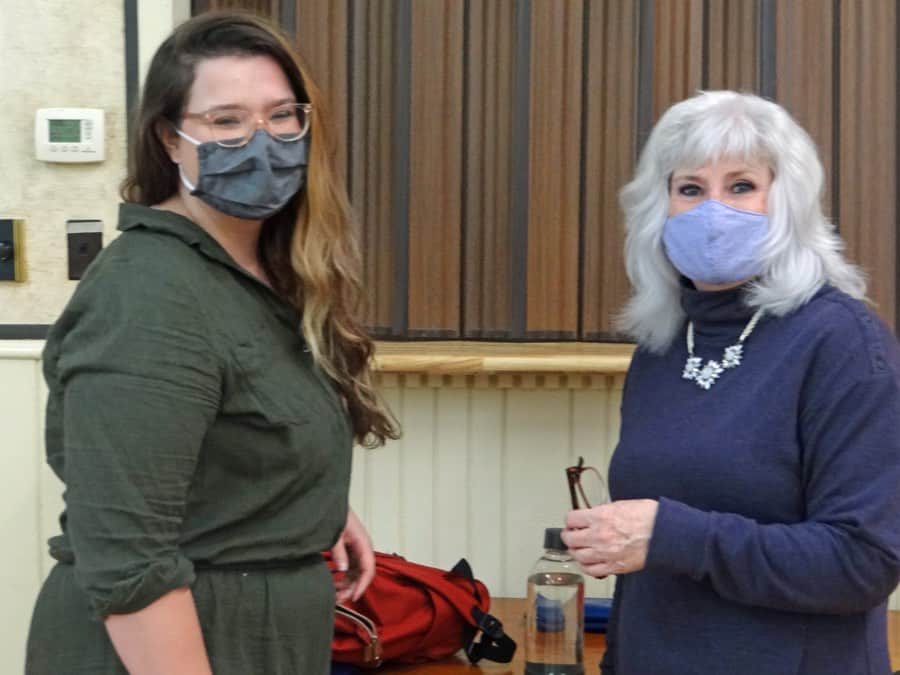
[[553, 539]]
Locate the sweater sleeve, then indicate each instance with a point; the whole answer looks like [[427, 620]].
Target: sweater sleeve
[[844, 556], [139, 387]]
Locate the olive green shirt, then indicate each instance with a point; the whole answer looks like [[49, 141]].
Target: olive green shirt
[[187, 420]]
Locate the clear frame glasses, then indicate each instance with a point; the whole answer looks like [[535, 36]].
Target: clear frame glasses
[[586, 486], [234, 127]]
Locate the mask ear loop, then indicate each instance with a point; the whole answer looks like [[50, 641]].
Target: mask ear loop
[[181, 175], [186, 137], [184, 180]]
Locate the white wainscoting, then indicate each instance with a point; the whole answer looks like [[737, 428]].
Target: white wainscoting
[[478, 474]]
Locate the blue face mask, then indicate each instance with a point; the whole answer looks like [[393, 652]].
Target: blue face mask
[[716, 244], [253, 181]]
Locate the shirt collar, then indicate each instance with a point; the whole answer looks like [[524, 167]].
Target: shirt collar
[[716, 314], [133, 216]]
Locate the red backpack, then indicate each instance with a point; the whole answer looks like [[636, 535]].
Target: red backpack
[[413, 613]]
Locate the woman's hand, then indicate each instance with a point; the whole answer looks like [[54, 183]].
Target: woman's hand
[[353, 554], [611, 538]]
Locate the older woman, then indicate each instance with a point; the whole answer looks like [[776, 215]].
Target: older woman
[[755, 526]]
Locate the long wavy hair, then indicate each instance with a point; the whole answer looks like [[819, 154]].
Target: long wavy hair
[[801, 252], [309, 248]]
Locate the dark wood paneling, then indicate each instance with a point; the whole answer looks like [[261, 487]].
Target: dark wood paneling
[[804, 60], [554, 167], [868, 144], [322, 39], [435, 212], [371, 150], [487, 161], [732, 40], [486, 140], [267, 8], [678, 53], [610, 123]]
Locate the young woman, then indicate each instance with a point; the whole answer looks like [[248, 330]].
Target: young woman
[[207, 381], [756, 521]]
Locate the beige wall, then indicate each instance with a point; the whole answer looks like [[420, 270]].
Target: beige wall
[[56, 53], [63, 53]]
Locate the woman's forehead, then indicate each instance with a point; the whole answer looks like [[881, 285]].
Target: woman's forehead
[[723, 165], [244, 80]]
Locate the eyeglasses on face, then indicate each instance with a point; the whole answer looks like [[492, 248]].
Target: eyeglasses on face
[[234, 127], [586, 486]]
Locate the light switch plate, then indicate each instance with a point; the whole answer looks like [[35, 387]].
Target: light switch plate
[[85, 241], [12, 253]]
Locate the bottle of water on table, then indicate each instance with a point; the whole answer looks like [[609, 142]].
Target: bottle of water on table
[[554, 630]]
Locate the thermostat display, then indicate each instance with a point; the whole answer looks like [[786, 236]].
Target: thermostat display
[[69, 135], [65, 131]]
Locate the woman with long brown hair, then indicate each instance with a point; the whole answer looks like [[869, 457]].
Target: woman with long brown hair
[[207, 381]]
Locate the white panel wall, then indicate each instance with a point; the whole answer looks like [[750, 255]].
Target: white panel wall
[[30, 497], [478, 474]]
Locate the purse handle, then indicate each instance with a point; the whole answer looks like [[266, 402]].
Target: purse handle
[[367, 631]]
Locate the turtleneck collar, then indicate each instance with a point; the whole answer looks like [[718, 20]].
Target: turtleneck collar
[[717, 315]]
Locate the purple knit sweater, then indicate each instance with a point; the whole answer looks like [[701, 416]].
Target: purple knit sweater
[[777, 540]]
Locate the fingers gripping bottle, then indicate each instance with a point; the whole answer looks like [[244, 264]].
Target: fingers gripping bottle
[[554, 630]]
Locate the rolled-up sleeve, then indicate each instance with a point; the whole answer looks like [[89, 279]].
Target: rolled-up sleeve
[[140, 384]]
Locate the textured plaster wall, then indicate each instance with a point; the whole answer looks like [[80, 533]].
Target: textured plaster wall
[[56, 53]]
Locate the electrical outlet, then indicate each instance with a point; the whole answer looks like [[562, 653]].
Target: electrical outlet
[[12, 254]]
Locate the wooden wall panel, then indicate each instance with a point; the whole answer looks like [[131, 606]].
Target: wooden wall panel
[[678, 51], [555, 168], [435, 211], [483, 219], [611, 94], [732, 39], [868, 145], [267, 8], [322, 39], [487, 161], [371, 152], [804, 59]]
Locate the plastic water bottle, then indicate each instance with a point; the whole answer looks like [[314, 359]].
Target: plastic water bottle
[[554, 630]]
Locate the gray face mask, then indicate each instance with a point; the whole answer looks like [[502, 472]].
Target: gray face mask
[[253, 181]]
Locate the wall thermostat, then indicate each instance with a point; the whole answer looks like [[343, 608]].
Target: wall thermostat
[[69, 135]]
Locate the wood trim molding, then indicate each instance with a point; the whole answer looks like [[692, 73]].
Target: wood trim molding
[[475, 358]]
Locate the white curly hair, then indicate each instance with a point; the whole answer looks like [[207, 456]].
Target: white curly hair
[[801, 252]]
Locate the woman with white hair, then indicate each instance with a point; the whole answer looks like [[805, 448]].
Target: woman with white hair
[[755, 526]]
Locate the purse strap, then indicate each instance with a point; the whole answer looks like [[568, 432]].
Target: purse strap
[[490, 641]]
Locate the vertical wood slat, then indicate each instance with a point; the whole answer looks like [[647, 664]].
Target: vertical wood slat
[[435, 211], [868, 145], [804, 57], [486, 178], [451, 483], [554, 166], [610, 127], [322, 40], [371, 149], [266, 8], [678, 52], [732, 39]]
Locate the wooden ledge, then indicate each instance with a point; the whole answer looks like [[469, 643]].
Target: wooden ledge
[[472, 358]]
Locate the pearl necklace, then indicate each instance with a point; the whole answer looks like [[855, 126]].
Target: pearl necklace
[[706, 376]]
